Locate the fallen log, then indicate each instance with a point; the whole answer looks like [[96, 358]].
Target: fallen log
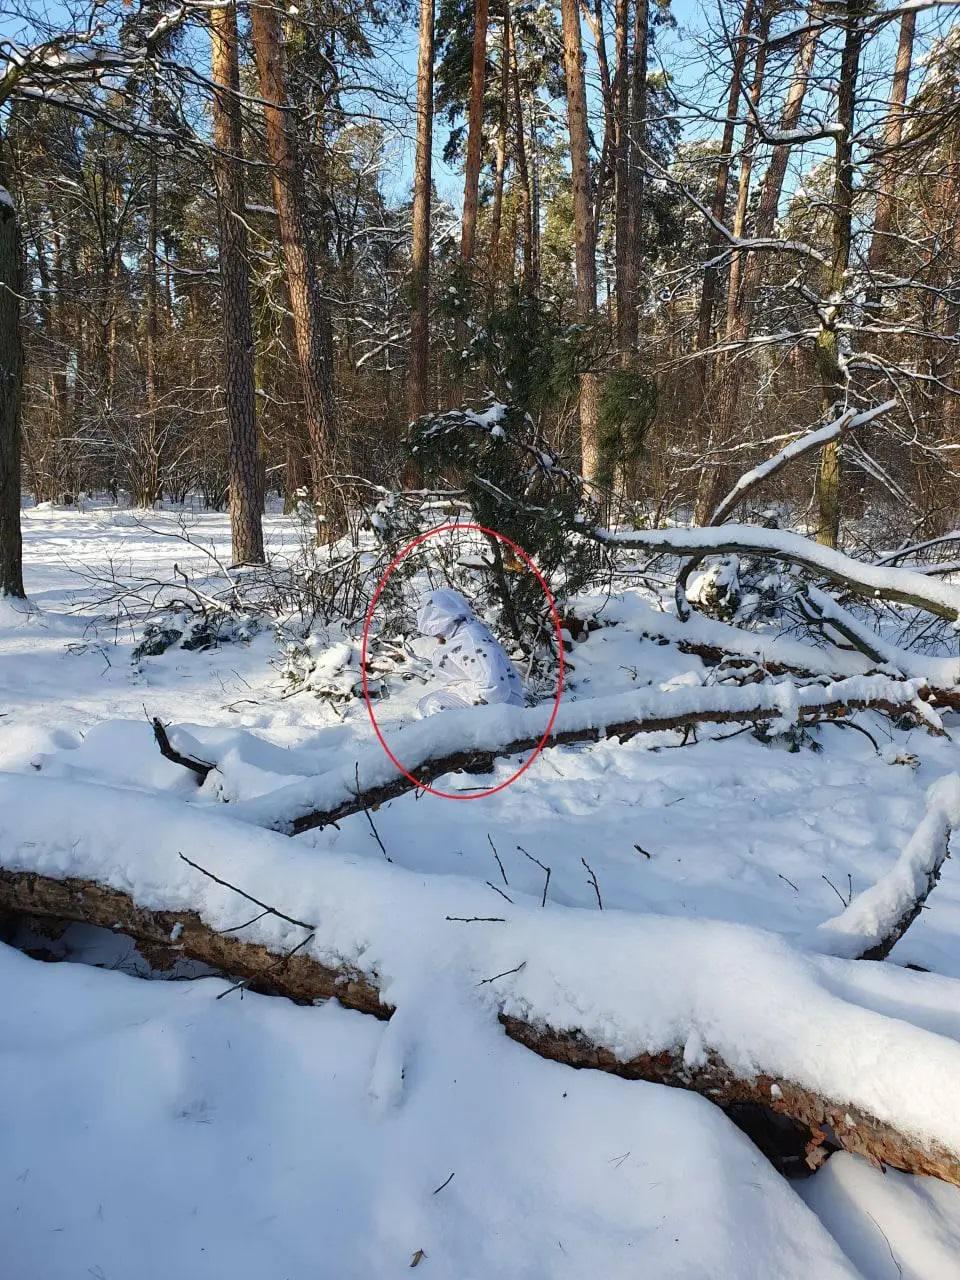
[[903, 586], [474, 738], [303, 978], [715, 642], [875, 921]]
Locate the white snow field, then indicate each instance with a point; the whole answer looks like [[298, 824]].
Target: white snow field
[[148, 1128]]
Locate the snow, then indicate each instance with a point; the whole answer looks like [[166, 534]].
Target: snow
[[892, 1227], [296, 1141], [212, 1138]]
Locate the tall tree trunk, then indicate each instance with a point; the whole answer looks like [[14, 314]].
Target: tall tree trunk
[[829, 365], [585, 248], [243, 452], [636, 165], [772, 186], [150, 437], [892, 137], [746, 168], [496, 214], [719, 203], [525, 188], [710, 377], [11, 390], [621, 180], [301, 271], [418, 373], [471, 182]]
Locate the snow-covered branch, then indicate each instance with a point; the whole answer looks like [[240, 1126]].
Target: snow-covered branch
[[904, 586], [878, 918], [816, 439], [475, 737]]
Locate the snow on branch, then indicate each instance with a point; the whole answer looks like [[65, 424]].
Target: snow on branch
[[848, 421], [475, 737], [904, 586], [878, 918]]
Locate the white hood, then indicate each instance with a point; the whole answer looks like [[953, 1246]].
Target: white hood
[[442, 611]]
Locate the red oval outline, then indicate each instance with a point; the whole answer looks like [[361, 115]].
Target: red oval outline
[[558, 630]]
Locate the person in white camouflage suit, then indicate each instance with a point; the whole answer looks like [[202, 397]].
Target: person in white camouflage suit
[[469, 659]]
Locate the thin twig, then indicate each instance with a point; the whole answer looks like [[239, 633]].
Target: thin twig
[[593, 881], [546, 883], [249, 897], [845, 901], [499, 863], [492, 886], [366, 814], [281, 961], [477, 919], [506, 973], [444, 1184]]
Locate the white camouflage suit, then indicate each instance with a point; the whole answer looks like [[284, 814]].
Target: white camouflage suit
[[471, 662]]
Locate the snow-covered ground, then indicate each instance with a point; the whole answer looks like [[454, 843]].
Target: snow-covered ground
[[148, 1127]]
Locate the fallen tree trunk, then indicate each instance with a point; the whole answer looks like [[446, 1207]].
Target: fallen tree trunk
[[301, 977], [875, 920], [903, 586], [715, 642], [490, 732]]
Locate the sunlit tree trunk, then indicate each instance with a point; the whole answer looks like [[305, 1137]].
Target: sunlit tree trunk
[[243, 451], [496, 213], [583, 234], [892, 138], [418, 374], [471, 182], [305, 305]]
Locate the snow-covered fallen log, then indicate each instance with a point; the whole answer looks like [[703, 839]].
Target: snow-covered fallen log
[[731, 1012], [474, 738], [883, 582], [942, 675], [873, 923]]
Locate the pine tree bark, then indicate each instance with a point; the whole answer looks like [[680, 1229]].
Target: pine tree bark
[[305, 303], [746, 170], [621, 180], [583, 234], [243, 452], [496, 213], [878, 252], [11, 391], [524, 189], [718, 206], [471, 182], [418, 375], [772, 186]]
